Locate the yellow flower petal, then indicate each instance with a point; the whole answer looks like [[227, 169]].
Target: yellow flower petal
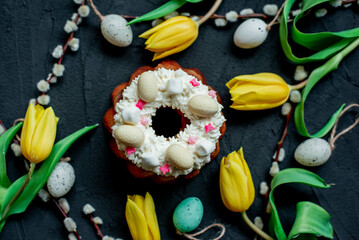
[[151, 217], [159, 55], [233, 187], [258, 91], [140, 201], [44, 136], [235, 181], [27, 130], [136, 221], [38, 133], [166, 39], [165, 24]]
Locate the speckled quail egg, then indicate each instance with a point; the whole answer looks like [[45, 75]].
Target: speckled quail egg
[[61, 179], [114, 30], [313, 152], [250, 33]]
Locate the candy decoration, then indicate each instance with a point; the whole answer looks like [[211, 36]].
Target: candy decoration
[[147, 88], [179, 156], [144, 121], [140, 104], [131, 115], [194, 82], [192, 140], [130, 150], [150, 160], [129, 135], [205, 148], [212, 93], [165, 169], [203, 106], [208, 128]]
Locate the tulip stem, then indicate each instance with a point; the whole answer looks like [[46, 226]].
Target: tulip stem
[[299, 85], [20, 191], [255, 228], [210, 12]]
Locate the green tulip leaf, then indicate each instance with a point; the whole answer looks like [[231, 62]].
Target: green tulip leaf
[[309, 225], [163, 10], [194, 1], [314, 77], [311, 219], [39, 178], [5, 141], [327, 45]]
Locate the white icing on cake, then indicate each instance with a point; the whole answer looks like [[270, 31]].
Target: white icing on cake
[[159, 144]]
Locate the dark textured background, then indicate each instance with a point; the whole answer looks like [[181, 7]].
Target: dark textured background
[[30, 30]]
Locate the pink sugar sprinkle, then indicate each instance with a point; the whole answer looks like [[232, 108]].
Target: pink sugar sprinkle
[[194, 82], [140, 104], [165, 169], [208, 127], [144, 121], [130, 150], [212, 93], [192, 140]]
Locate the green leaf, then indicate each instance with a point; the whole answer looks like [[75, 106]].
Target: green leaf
[[39, 177], [163, 10], [194, 1], [311, 219], [5, 141], [326, 44], [298, 175], [314, 77]]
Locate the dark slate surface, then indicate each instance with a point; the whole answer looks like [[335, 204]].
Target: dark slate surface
[[30, 30]]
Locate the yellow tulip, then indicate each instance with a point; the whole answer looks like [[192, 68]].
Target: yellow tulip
[[38, 133], [235, 182], [141, 218], [170, 37], [258, 91]]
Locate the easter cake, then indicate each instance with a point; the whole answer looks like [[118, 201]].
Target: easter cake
[[131, 119]]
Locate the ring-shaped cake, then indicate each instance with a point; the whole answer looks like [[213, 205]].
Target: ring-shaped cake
[[136, 103]]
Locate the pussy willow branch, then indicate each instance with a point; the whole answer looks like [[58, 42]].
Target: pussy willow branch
[[284, 135], [64, 215], [64, 48]]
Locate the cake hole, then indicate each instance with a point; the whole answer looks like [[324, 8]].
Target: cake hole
[[167, 122]]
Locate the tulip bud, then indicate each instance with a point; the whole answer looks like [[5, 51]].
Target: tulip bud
[[38, 133], [258, 91], [235, 182], [172, 36], [141, 218]]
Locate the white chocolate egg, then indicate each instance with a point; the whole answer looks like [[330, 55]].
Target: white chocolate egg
[[114, 30], [129, 135], [313, 152], [61, 179], [179, 156], [131, 115], [202, 106], [250, 33], [150, 160], [147, 88], [205, 148]]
